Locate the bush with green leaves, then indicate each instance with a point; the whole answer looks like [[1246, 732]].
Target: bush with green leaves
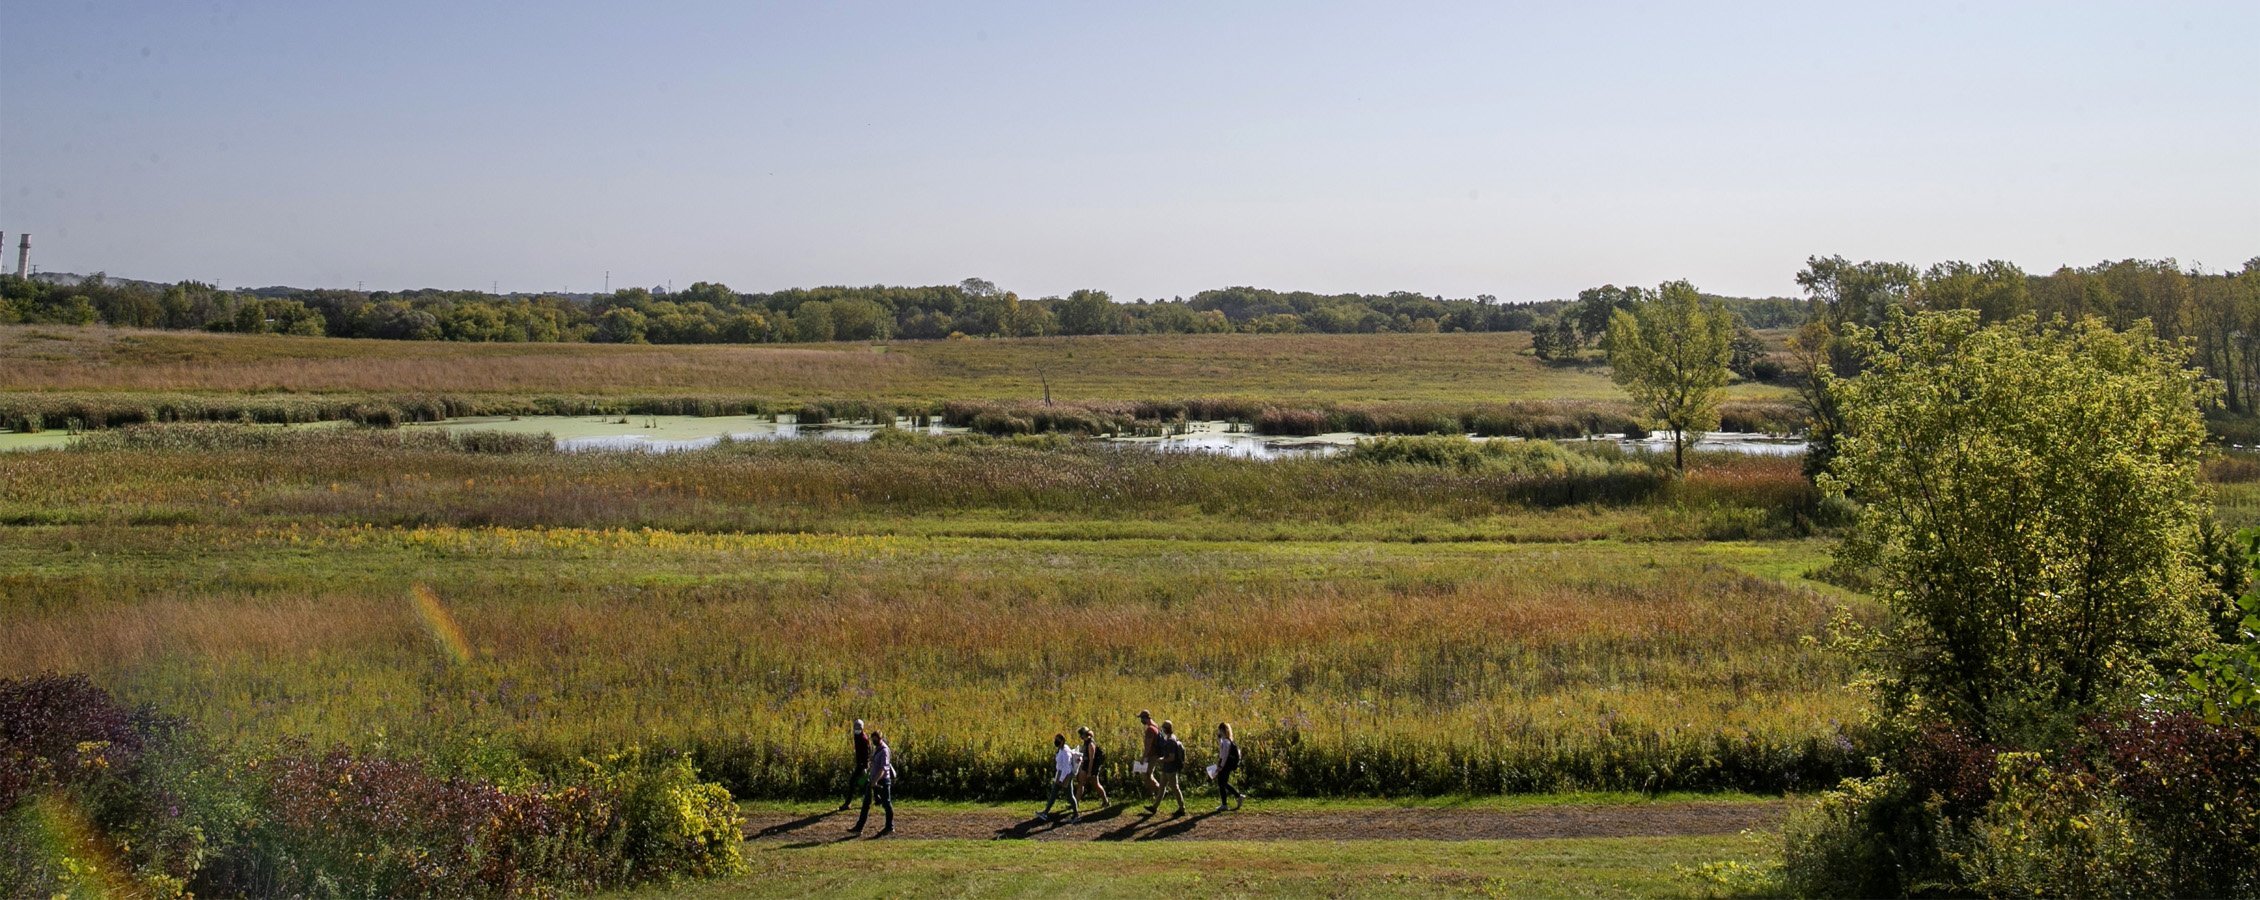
[[2030, 511], [673, 825], [1871, 837], [2030, 514], [2054, 832]]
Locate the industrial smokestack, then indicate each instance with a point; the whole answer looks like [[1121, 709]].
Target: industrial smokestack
[[23, 256]]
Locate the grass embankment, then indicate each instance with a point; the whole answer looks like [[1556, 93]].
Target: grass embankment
[[1406, 382], [952, 592]]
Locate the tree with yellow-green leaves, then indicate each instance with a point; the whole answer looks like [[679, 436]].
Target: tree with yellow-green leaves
[[1670, 352], [2031, 509]]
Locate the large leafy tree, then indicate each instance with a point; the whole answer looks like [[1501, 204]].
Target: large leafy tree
[[1671, 353], [1090, 312], [1597, 307], [2031, 512]]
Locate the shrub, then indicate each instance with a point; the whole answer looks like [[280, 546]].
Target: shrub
[[2055, 833], [2193, 787], [675, 826], [345, 823], [376, 415], [996, 423], [1541, 459], [98, 799], [1871, 837], [2143, 804], [1295, 422]]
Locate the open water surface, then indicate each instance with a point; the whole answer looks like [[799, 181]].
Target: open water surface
[[669, 433]]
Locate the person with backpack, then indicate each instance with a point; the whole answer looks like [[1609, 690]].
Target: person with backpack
[[1149, 759], [1066, 761], [1093, 757], [1227, 762], [1172, 765], [882, 775], [856, 777]]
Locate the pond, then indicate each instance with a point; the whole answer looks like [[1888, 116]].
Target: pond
[[663, 433], [669, 433]]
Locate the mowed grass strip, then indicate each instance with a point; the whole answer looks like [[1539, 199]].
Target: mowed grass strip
[[1580, 867]]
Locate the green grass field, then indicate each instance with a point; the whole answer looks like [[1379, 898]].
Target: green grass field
[[1375, 629], [1474, 639], [1571, 867]]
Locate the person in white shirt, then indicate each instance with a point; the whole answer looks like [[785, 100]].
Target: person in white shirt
[[1065, 764]]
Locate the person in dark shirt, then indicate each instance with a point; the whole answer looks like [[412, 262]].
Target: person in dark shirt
[[1149, 756], [858, 780], [1092, 757], [882, 774], [1227, 762], [1170, 757]]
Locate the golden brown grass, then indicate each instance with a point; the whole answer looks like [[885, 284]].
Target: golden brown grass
[[1307, 368]]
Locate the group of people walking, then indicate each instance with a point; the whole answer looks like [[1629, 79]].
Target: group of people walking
[[1075, 771], [1161, 766]]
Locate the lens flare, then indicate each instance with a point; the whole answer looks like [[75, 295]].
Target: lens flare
[[440, 625]]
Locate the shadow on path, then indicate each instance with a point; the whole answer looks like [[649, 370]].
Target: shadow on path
[[1025, 828], [783, 828], [1129, 828], [1174, 828]]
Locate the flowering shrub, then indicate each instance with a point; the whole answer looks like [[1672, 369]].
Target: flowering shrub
[[96, 796], [670, 824]]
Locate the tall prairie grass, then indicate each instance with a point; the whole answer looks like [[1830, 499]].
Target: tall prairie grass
[[974, 595], [1350, 668]]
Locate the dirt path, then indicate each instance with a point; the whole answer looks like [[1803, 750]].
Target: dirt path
[[1133, 823]]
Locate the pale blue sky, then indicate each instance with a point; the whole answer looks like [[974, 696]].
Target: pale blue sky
[[1150, 150]]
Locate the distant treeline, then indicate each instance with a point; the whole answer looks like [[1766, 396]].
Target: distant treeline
[[710, 313], [2217, 314]]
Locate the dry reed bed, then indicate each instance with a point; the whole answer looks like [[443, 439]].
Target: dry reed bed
[[1350, 667]]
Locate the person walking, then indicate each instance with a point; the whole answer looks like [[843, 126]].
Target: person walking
[[882, 787], [1227, 762], [1172, 759], [1088, 778], [1066, 761], [1149, 759], [856, 777]]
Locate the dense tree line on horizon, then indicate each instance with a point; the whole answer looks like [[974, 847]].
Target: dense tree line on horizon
[[709, 312], [2218, 312]]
